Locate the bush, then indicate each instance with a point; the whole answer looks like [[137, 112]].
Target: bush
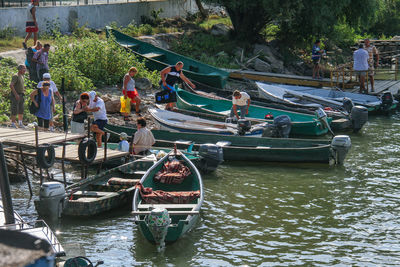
[[7, 33]]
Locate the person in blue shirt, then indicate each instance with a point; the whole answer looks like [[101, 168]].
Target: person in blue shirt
[[123, 144], [316, 58]]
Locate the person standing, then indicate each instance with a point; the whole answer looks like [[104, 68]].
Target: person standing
[[143, 138], [79, 114], [98, 108], [31, 23], [372, 64], [45, 105], [316, 58], [170, 76], [129, 90], [41, 59], [241, 101], [54, 91], [30, 65], [17, 87], [360, 66]]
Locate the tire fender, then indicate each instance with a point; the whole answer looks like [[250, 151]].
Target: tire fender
[[42, 160], [91, 147]]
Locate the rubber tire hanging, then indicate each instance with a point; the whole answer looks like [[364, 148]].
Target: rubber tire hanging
[[42, 160], [91, 146]]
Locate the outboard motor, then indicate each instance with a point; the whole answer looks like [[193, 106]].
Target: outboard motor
[[341, 145], [158, 222], [243, 126], [51, 200], [348, 104], [358, 116], [212, 156], [323, 118], [231, 120], [387, 100], [283, 125]]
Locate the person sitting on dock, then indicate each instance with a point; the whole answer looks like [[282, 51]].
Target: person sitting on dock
[[17, 96], [372, 63], [241, 101], [98, 108], [45, 105], [79, 114], [129, 90], [316, 58], [360, 66], [123, 145], [169, 77], [143, 139]]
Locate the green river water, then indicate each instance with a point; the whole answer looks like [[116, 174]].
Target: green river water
[[265, 214]]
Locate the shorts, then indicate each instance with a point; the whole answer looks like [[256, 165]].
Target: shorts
[[132, 95], [31, 27], [17, 107], [43, 123], [371, 68], [316, 60], [360, 72], [100, 123]]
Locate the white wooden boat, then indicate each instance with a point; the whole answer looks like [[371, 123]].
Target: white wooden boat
[[177, 122]]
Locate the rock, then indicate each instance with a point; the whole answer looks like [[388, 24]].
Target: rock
[[143, 84], [161, 40], [220, 29], [106, 98], [260, 65], [113, 106], [396, 38], [270, 56]]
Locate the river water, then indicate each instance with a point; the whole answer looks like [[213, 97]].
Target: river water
[[264, 214]]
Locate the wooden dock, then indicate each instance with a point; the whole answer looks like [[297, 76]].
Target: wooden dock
[[26, 138], [381, 86], [287, 79]]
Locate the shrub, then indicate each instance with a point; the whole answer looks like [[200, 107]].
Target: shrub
[[7, 33]]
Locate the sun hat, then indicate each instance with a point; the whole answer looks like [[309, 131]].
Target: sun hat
[[123, 136], [46, 76]]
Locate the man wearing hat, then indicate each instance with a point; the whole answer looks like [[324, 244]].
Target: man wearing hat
[[98, 108], [54, 91]]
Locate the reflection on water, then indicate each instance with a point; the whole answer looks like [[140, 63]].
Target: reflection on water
[[257, 214]]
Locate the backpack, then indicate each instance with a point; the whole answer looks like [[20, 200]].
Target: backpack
[[29, 55], [32, 108]]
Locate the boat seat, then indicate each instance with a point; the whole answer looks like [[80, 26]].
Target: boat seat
[[172, 212], [166, 206], [128, 45], [153, 55], [91, 193], [223, 143], [263, 147], [183, 142], [123, 181]]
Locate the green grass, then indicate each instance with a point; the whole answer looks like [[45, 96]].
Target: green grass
[[212, 20], [16, 43]]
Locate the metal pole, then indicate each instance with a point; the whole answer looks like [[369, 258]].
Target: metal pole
[[37, 146], [5, 189], [65, 120], [63, 165], [26, 171]]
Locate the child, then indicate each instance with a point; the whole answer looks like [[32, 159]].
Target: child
[[123, 145]]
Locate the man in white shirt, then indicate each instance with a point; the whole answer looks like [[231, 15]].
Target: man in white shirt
[[143, 138], [241, 101], [98, 108], [54, 91], [360, 66]]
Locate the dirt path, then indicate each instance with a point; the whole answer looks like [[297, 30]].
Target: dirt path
[[18, 55]]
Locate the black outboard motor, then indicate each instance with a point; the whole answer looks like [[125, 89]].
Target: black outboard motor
[[212, 156], [358, 116], [387, 101], [348, 104], [283, 126], [243, 126]]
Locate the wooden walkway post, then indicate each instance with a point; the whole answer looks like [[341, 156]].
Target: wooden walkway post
[[37, 146], [5, 189], [25, 170]]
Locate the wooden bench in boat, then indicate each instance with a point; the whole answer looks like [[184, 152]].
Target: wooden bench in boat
[[167, 206], [153, 55], [170, 212], [128, 45], [91, 193]]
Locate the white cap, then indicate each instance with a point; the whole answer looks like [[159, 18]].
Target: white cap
[[92, 95], [46, 76], [123, 136]]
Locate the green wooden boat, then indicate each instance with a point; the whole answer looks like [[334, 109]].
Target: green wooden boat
[[171, 209], [263, 149], [158, 58], [99, 193], [302, 124]]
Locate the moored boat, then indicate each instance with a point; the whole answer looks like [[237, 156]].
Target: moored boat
[[263, 149], [302, 124], [176, 122], [158, 58], [167, 202]]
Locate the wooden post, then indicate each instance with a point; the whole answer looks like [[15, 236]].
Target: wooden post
[[343, 78], [65, 120], [63, 165], [331, 78], [37, 146], [88, 127], [395, 68], [26, 171], [5, 189]]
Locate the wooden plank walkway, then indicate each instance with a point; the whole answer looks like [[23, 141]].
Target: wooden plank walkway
[[71, 154], [381, 86], [26, 138], [285, 79]]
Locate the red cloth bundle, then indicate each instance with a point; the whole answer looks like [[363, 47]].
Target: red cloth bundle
[[162, 197], [173, 172]]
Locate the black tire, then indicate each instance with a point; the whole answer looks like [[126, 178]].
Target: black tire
[[42, 160], [90, 156]]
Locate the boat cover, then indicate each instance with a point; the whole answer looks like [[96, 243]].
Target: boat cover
[[166, 197]]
